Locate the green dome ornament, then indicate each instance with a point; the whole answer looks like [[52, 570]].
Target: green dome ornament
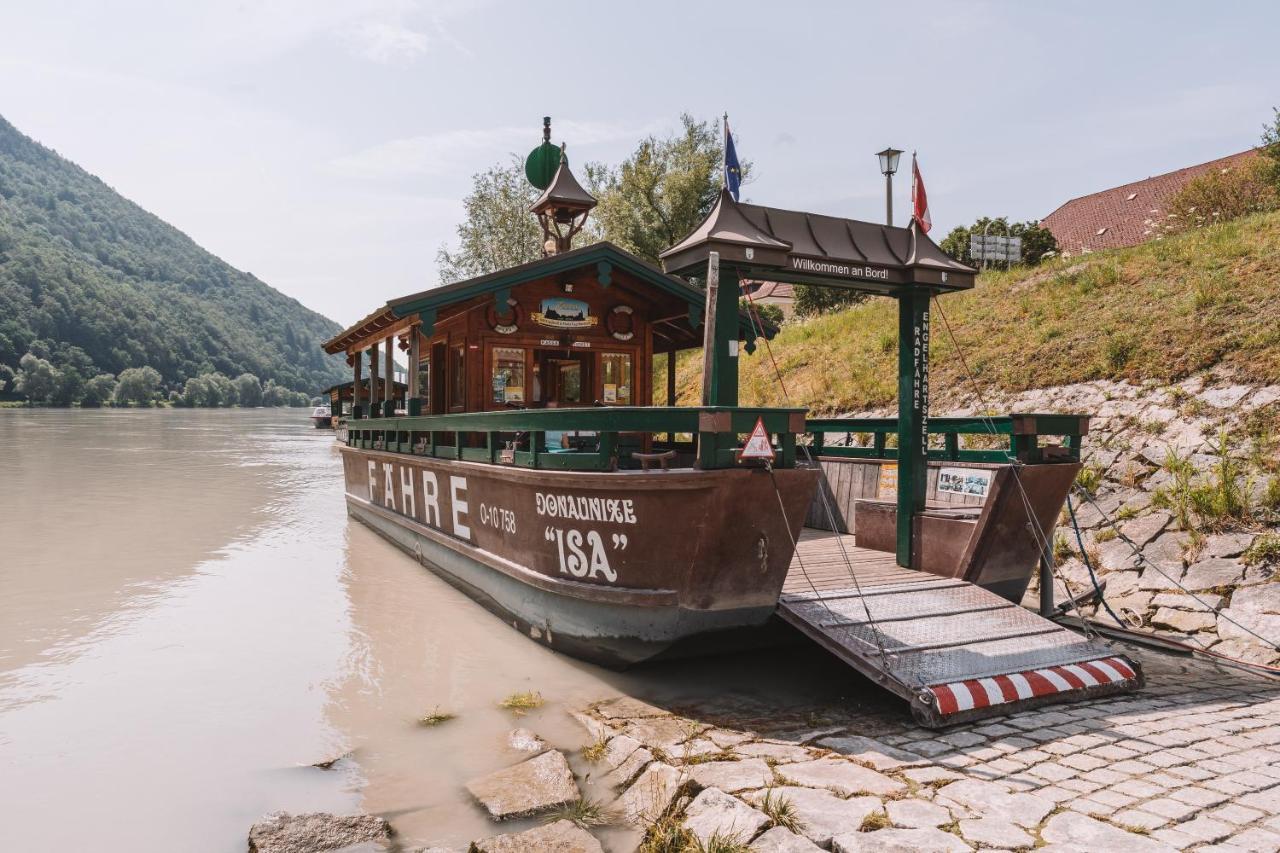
[[541, 164]]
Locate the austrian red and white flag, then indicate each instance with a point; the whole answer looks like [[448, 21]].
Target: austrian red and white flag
[[919, 201]]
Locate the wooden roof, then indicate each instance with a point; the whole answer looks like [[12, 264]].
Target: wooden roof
[[602, 258], [810, 248]]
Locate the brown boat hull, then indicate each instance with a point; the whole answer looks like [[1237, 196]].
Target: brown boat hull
[[616, 568]]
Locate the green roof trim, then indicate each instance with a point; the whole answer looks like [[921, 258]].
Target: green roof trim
[[604, 257]]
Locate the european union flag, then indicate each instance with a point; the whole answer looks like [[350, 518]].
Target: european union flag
[[732, 171]]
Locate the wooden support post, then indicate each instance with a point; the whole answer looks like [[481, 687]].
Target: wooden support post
[[374, 408], [413, 407], [357, 389], [709, 360], [389, 380], [913, 415], [1046, 584], [727, 344], [671, 378]]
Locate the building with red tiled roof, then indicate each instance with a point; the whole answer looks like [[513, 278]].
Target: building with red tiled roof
[[1123, 216], [773, 293]]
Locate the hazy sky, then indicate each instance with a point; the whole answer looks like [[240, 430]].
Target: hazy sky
[[326, 146]]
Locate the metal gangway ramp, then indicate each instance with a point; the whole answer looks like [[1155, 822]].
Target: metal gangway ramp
[[955, 651]]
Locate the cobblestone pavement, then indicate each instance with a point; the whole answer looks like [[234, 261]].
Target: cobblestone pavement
[[1190, 763]]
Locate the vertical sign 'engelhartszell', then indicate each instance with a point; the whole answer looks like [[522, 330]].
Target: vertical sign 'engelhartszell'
[[921, 401]]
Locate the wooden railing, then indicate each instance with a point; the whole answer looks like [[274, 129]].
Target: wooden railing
[[518, 437], [1019, 434]]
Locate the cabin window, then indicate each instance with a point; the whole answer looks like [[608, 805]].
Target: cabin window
[[423, 391], [615, 368], [458, 377], [508, 375]]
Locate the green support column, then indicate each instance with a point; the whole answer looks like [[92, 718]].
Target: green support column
[[913, 414], [724, 363]]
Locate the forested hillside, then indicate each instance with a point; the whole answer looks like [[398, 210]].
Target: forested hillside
[[91, 281]]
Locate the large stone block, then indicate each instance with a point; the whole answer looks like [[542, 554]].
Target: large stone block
[[531, 787], [563, 836], [650, 794], [779, 840], [821, 813], [1264, 598], [1266, 625], [1145, 528], [1075, 831], [1213, 572], [281, 832], [839, 775], [993, 800], [713, 813], [732, 775], [1184, 621], [899, 841], [1227, 544]]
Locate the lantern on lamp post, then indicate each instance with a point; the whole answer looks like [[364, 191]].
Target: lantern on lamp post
[[888, 166]]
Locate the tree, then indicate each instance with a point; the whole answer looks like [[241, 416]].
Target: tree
[[273, 394], [812, 299], [220, 391], [1271, 137], [497, 231], [137, 385], [1216, 196], [662, 191], [766, 311], [98, 390], [1037, 243], [37, 379], [248, 390], [69, 389], [6, 377], [193, 393]]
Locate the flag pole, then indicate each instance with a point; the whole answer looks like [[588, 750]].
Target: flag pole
[[724, 164]]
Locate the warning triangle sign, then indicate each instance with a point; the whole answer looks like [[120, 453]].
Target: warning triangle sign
[[758, 445]]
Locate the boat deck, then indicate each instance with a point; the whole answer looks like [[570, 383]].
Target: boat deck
[[924, 636]]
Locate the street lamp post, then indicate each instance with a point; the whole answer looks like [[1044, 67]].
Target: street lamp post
[[888, 165]]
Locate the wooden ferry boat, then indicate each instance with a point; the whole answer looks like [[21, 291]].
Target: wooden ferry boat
[[534, 471]]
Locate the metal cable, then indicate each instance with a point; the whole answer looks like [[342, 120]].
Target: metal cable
[[1137, 552], [877, 634], [1088, 564], [1037, 533]]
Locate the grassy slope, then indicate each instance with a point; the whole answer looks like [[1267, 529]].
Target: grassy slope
[[1160, 311]]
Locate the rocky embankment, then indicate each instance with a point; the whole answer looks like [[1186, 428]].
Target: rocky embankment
[[1184, 525]]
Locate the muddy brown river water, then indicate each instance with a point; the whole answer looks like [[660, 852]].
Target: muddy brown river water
[[189, 621]]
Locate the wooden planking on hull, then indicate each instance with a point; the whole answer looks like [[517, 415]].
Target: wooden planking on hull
[[687, 551]]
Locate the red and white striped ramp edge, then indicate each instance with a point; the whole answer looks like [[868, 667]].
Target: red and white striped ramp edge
[[1016, 686]]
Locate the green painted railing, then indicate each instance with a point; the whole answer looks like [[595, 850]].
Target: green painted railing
[[518, 437], [1020, 433]]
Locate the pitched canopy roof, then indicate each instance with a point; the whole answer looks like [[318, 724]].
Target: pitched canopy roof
[[564, 191], [809, 248]]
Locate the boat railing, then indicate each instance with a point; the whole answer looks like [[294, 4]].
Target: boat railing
[[1002, 438], [710, 436]]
